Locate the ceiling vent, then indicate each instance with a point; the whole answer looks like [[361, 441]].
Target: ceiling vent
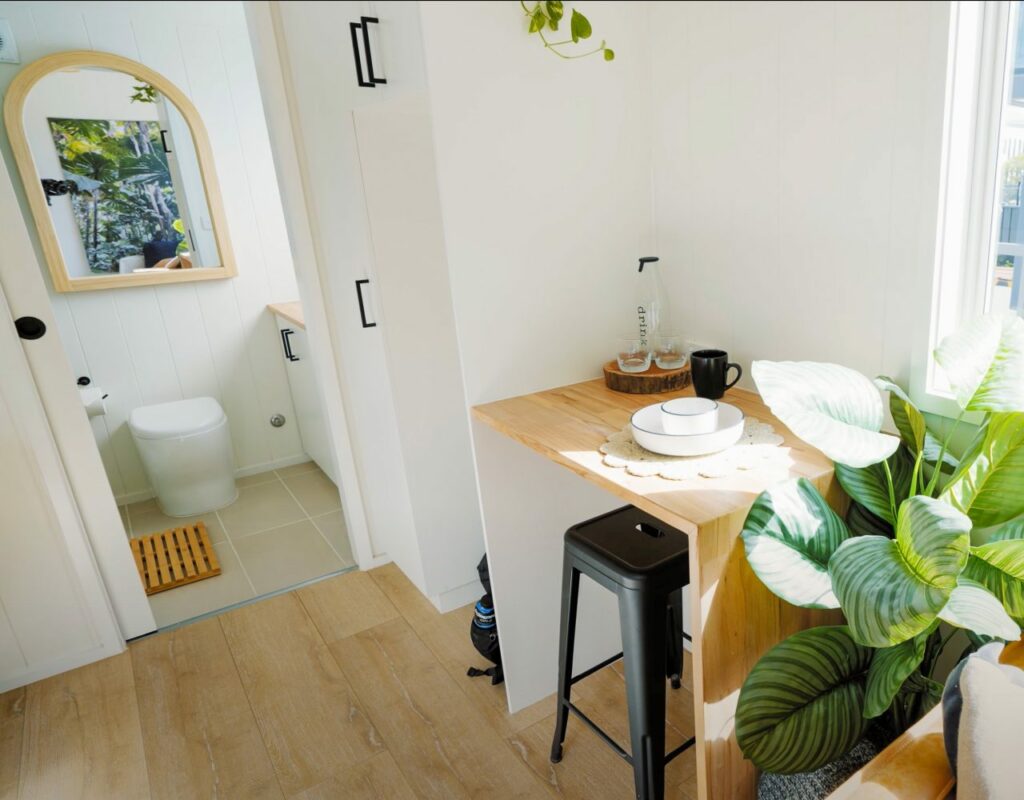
[[8, 47]]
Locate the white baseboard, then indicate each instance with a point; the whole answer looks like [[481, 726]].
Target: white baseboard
[[458, 597], [254, 469], [279, 463]]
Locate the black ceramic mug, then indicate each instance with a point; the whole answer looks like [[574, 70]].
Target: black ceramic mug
[[709, 369]]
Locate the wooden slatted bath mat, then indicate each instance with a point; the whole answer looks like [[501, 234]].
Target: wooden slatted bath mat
[[174, 557]]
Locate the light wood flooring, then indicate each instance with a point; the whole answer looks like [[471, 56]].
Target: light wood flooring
[[354, 687]]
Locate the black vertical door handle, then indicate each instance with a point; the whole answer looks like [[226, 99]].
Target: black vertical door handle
[[362, 305], [354, 28], [285, 333], [30, 327], [366, 46], [369, 80]]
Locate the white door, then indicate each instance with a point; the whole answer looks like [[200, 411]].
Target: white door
[[22, 283], [54, 612]]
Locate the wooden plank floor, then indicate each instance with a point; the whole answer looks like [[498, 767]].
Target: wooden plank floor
[[352, 688]]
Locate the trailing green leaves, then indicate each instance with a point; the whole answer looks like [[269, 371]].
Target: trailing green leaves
[[789, 536], [869, 485], [548, 14], [890, 667], [832, 408], [988, 484], [579, 26], [801, 706], [984, 362], [892, 590]]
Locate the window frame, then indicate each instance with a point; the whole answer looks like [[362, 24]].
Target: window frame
[[978, 66]]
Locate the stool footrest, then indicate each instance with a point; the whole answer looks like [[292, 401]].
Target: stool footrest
[[596, 668], [619, 750], [681, 749], [608, 740]]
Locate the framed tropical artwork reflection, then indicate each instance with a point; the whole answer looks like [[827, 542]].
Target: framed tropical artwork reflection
[[122, 191]]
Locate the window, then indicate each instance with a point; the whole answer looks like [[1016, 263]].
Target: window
[[980, 248]]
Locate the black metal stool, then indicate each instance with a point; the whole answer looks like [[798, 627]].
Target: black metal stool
[[646, 563]]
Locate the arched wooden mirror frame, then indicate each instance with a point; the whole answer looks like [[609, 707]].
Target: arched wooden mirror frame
[[14, 106]]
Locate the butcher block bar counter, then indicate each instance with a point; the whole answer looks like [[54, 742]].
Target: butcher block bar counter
[[732, 617]]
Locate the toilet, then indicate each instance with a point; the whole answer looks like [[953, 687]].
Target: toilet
[[185, 447]]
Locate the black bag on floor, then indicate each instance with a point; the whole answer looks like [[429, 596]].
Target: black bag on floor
[[483, 631]]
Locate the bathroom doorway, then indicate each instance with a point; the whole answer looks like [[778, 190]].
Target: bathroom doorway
[[159, 336]]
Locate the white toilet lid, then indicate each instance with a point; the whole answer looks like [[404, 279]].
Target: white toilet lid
[[180, 418]]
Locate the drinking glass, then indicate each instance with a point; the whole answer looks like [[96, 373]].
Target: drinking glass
[[634, 355], [670, 351]]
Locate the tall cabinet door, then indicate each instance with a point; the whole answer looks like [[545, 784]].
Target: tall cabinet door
[[320, 72]]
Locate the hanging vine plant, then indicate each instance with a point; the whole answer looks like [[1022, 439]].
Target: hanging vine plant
[[546, 15]]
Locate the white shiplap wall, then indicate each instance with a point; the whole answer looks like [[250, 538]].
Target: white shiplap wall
[[796, 159], [157, 344]]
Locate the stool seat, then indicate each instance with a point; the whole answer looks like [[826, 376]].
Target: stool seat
[[646, 563], [632, 549]]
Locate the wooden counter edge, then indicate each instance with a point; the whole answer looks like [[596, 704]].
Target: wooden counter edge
[[291, 311]]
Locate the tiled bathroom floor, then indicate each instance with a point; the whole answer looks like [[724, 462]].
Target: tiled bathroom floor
[[286, 527]]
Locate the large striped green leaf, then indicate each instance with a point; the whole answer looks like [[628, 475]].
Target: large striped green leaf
[[984, 362], [870, 487], [934, 540], [999, 567], [790, 535], [973, 607], [907, 417], [832, 408], [989, 485], [802, 704], [893, 589], [890, 667]]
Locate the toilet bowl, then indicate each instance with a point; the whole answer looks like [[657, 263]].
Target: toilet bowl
[[185, 447]]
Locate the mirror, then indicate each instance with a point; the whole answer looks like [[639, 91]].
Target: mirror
[[118, 172]]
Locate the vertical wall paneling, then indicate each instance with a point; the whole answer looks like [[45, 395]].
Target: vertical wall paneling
[[793, 148], [152, 345]]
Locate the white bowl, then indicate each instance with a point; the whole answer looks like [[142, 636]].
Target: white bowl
[[689, 415], [649, 433]]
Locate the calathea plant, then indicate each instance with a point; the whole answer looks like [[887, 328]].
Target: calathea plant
[[928, 539]]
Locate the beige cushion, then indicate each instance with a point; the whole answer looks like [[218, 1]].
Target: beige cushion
[[990, 765]]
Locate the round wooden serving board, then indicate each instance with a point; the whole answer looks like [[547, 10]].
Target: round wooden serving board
[[654, 381]]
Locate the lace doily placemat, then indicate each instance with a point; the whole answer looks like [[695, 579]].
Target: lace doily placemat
[[758, 447]]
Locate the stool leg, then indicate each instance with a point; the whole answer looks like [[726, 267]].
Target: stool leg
[[674, 667], [642, 618], [566, 641]]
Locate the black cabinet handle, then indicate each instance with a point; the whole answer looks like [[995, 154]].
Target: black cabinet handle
[[30, 327], [370, 80], [285, 333], [163, 140], [362, 306]]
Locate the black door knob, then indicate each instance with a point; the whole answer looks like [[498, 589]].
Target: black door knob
[[30, 327]]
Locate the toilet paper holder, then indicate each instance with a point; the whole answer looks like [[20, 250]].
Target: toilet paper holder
[[85, 380]]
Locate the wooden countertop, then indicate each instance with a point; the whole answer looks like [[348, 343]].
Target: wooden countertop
[[291, 311], [568, 425]]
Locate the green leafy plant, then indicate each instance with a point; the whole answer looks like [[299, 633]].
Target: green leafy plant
[[910, 555], [143, 93], [548, 14]]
